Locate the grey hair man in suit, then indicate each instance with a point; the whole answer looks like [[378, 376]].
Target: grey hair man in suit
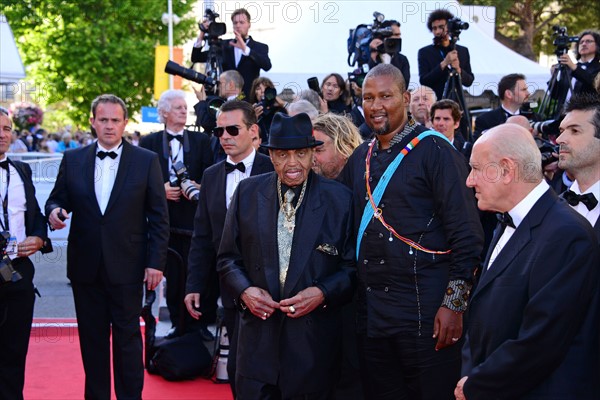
[[286, 260], [118, 239], [533, 319]]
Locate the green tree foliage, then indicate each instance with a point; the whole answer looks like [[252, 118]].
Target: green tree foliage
[[74, 50], [525, 26]]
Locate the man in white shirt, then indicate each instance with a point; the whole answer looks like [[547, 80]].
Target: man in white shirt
[[533, 322], [23, 233], [580, 155]]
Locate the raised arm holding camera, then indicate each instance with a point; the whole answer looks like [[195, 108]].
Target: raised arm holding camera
[[385, 51], [587, 67], [243, 53]]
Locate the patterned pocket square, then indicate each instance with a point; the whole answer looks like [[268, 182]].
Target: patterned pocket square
[[328, 249]]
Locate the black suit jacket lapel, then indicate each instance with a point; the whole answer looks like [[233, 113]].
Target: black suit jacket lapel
[[163, 144], [29, 195], [121, 177], [519, 240], [89, 172], [308, 227]]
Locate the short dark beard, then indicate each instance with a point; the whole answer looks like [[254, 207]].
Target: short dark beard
[[384, 130]]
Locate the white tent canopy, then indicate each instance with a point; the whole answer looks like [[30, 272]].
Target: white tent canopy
[[11, 67], [309, 39]]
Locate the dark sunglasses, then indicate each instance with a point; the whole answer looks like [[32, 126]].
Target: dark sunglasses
[[233, 130]]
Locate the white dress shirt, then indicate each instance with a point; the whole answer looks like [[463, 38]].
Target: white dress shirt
[[238, 53], [105, 173], [518, 214], [234, 178], [17, 205]]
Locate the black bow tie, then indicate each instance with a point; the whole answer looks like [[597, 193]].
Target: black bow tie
[[229, 167], [506, 220], [179, 138], [4, 164], [588, 199], [102, 154]]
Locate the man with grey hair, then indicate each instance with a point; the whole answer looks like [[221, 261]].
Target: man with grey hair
[[421, 100], [176, 145], [537, 285], [302, 106]]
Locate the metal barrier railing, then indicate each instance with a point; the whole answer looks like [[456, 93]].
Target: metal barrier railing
[[44, 166]]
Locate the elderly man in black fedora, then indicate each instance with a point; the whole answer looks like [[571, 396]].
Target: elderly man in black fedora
[[286, 258]]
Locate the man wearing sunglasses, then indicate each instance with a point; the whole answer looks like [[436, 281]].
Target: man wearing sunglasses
[[286, 261], [236, 127], [176, 144]]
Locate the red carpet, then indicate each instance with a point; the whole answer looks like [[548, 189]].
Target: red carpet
[[55, 371]]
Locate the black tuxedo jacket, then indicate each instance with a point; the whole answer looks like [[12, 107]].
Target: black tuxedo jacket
[[299, 355], [197, 156], [533, 318], [35, 222], [488, 120], [432, 75], [209, 222], [133, 233], [584, 77], [249, 67]]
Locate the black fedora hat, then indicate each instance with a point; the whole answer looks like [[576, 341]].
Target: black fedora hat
[[288, 133]]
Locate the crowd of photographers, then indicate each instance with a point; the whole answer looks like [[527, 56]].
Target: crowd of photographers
[[242, 120]]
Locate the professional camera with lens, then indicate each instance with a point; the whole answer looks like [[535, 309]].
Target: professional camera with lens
[[361, 36], [455, 27], [268, 99], [548, 149], [562, 41], [173, 68], [215, 29], [182, 180], [7, 272]]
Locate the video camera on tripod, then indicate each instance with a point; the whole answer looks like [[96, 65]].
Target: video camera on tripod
[[361, 36], [562, 41], [559, 85], [214, 60]]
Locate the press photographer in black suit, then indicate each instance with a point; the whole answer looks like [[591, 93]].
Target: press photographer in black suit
[[176, 144], [27, 228], [438, 59], [243, 53], [587, 67]]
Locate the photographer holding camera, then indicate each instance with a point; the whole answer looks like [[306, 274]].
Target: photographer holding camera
[[587, 67], [379, 55], [243, 53], [183, 157], [438, 59], [23, 234]]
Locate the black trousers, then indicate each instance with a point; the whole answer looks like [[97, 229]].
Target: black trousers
[[250, 389], [406, 367], [176, 273], [16, 314], [230, 318], [101, 308]]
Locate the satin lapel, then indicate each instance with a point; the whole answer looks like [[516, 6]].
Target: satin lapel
[[89, 170], [266, 209], [122, 173], [597, 229], [164, 155], [519, 240], [220, 191], [305, 235]]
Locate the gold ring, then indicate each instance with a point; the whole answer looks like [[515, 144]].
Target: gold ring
[[292, 309]]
